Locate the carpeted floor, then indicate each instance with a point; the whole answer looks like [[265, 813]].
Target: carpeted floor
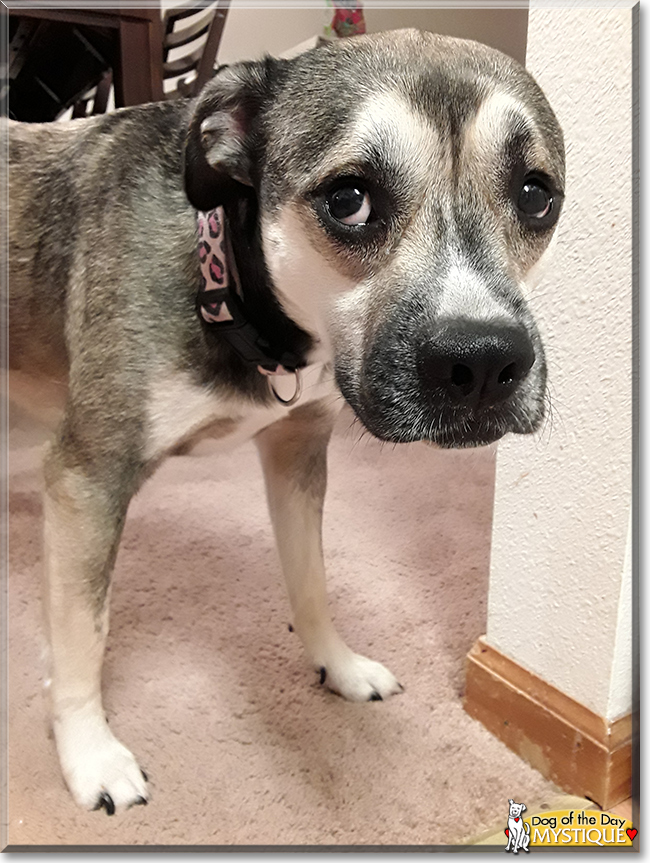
[[204, 682]]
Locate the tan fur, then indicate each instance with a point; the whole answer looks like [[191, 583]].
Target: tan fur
[[296, 446]]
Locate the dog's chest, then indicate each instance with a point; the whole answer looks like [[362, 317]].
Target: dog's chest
[[181, 413]]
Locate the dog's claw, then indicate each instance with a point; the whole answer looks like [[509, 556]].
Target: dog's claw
[[323, 674], [290, 628], [141, 801], [375, 697], [106, 801], [144, 775]]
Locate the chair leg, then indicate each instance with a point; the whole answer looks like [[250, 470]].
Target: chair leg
[[80, 109], [103, 92]]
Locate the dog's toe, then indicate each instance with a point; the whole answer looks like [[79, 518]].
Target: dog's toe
[[358, 678], [99, 770]]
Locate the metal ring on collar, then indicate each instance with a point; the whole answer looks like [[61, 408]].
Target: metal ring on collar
[[298, 391]]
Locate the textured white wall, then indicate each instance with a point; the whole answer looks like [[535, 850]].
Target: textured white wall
[[620, 684], [560, 590]]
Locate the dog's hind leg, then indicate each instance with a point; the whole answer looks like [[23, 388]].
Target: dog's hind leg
[[294, 457], [84, 516]]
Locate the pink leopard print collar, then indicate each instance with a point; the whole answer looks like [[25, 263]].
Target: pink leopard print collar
[[220, 302], [214, 272]]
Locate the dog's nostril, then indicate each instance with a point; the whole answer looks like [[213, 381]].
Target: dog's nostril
[[461, 375], [508, 374]]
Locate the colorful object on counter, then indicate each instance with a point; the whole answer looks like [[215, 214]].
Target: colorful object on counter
[[348, 19]]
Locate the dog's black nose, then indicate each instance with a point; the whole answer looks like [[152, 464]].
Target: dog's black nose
[[477, 364]]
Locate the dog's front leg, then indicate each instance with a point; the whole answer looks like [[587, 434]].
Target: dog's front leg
[[294, 457], [83, 522]]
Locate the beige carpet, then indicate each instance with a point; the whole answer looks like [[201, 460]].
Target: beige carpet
[[204, 682]]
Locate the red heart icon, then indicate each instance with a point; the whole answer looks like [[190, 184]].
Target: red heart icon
[[516, 819], [631, 832], [507, 832]]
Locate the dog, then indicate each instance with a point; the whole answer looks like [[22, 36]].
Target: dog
[[518, 832], [371, 212]]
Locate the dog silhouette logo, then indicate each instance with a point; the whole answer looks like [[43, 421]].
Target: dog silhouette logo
[[517, 831]]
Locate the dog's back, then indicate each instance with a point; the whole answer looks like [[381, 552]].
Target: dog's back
[[82, 176]]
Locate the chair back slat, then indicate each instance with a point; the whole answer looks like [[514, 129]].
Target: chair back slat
[[177, 13], [187, 34], [184, 65]]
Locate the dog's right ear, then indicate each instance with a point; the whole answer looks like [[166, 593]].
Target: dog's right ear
[[223, 138]]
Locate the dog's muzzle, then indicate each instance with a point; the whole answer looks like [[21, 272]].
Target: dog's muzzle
[[455, 383]]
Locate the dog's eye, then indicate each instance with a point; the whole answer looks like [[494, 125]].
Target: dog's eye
[[350, 205], [535, 201]]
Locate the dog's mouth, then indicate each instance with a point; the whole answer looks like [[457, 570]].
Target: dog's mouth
[[483, 430], [444, 428]]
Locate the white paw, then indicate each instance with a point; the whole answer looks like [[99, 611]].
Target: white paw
[[358, 678], [98, 769]]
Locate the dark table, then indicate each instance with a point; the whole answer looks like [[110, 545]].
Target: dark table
[[137, 66]]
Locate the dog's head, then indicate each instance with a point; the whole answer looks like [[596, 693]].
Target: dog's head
[[516, 809], [406, 186]]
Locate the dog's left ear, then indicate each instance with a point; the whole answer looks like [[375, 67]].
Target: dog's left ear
[[224, 137]]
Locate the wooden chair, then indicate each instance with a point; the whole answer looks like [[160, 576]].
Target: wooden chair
[[184, 28]]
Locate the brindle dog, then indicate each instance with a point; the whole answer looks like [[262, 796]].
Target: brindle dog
[[386, 200]]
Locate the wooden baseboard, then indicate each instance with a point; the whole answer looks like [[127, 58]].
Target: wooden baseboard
[[569, 744]]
